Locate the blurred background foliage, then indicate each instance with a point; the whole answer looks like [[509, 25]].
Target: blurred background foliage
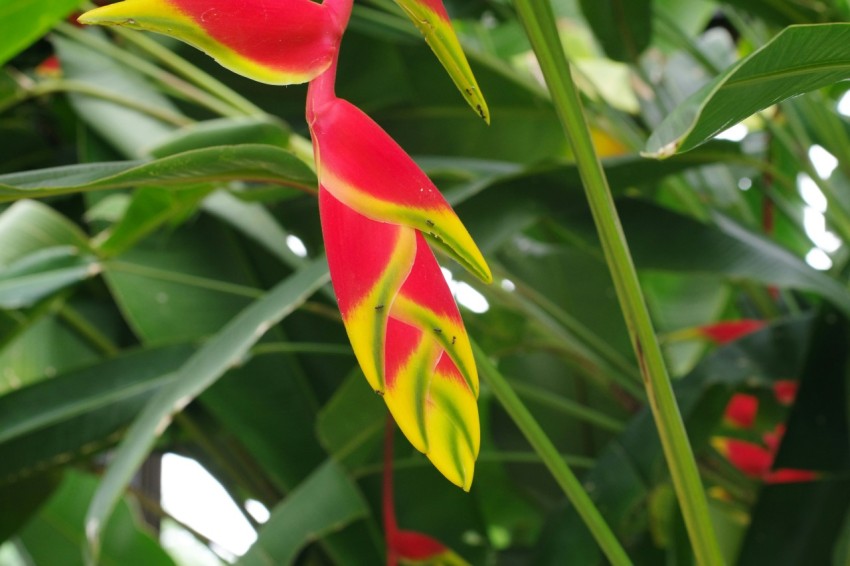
[[148, 197]]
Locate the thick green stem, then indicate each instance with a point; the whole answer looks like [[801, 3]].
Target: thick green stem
[[552, 459], [539, 22]]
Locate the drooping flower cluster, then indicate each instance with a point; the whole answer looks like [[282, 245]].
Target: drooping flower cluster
[[378, 210]]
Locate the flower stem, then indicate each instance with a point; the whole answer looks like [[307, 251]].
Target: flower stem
[[552, 459], [539, 22]]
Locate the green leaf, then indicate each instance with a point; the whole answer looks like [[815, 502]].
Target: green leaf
[[148, 209], [263, 129], [24, 21], [817, 435], [215, 357], [818, 509], [325, 502], [623, 27], [183, 285], [75, 412], [816, 439], [798, 60], [40, 348], [666, 241], [261, 163], [56, 535], [30, 226], [42, 273], [22, 499]]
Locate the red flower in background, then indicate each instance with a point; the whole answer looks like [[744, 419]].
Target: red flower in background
[[756, 460]]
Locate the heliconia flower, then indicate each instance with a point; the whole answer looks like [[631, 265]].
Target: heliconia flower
[[719, 333], [785, 391], [377, 208], [741, 410], [406, 332], [280, 42], [431, 18], [756, 461], [730, 330], [50, 68]]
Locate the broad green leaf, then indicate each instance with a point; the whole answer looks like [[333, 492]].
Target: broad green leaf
[[263, 129], [42, 273], [24, 21], [29, 226], [325, 502], [59, 419], [56, 535], [261, 163], [22, 499], [666, 241], [786, 13], [818, 509], [149, 208], [798, 60], [182, 285], [40, 348], [213, 359], [623, 27], [817, 435]]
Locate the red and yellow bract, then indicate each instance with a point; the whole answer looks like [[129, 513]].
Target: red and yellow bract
[[378, 209], [376, 205], [280, 42]]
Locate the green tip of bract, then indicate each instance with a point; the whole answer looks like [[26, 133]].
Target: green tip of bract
[[431, 18]]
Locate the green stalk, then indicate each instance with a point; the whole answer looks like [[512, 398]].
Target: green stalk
[[539, 22], [551, 458]]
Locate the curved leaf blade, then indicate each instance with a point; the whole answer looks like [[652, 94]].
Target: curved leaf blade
[[798, 60], [323, 503], [247, 162]]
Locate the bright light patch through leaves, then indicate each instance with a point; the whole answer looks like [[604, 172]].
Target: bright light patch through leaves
[[194, 497], [824, 162], [296, 245], [466, 295], [735, 133], [818, 259]]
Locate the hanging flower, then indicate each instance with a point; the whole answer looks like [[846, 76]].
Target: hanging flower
[[377, 207]]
